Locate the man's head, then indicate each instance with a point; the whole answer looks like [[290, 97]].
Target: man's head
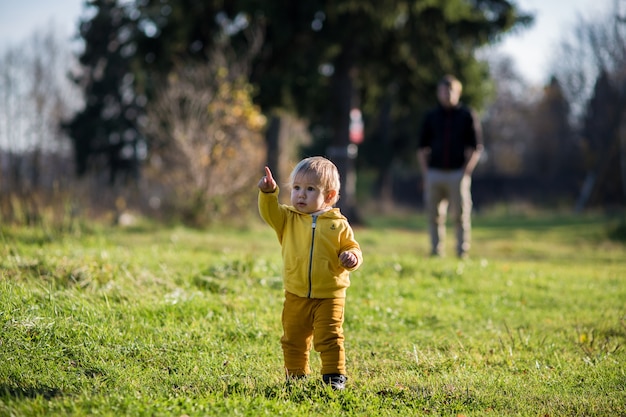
[[449, 91]]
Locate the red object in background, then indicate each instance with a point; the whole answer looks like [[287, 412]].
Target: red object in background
[[356, 126]]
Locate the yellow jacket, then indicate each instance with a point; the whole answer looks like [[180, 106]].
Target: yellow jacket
[[311, 247]]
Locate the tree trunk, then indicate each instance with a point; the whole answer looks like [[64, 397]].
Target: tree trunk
[[617, 144], [622, 152], [342, 152], [384, 182]]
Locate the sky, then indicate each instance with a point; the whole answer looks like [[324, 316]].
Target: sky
[[531, 49]]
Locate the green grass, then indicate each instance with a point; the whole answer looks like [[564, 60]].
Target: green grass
[[171, 322]]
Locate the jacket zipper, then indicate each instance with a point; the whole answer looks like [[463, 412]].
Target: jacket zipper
[[313, 225]]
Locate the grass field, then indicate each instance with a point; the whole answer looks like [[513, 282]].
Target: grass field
[[171, 322]]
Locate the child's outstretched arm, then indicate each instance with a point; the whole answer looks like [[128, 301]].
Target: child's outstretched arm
[[267, 183]]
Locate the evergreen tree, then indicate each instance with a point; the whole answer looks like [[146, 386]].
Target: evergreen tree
[[321, 58], [551, 131], [602, 121], [105, 133], [318, 58]]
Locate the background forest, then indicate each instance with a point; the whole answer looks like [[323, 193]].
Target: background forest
[[169, 110]]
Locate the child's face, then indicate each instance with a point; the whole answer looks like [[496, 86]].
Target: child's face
[[307, 196]]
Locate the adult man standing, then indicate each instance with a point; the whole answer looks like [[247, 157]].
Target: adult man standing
[[450, 145]]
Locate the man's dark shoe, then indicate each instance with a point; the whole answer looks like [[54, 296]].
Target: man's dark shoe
[[336, 381]]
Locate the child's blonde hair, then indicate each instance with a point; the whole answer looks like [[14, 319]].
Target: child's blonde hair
[[323, 170]]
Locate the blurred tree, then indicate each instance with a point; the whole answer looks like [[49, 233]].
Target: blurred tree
[[322, 58], [380, 57], [506, 122], [318, 59], [555, 157], [212, 148], [603, 117], [592, 62], [35, 98], [105, 133]]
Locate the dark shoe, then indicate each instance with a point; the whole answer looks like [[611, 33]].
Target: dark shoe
[[336, 381]]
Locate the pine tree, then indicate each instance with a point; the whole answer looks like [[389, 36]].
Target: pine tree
[[105, 132]]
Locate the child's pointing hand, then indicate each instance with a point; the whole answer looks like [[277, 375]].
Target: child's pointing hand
[[267, 183]]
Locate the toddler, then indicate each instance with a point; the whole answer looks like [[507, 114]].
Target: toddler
[[319, 251]]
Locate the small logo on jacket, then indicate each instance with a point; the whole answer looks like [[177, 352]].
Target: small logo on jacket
[[333, 227]]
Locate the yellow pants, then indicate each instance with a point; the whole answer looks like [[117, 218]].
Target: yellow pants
[[313, 319]]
